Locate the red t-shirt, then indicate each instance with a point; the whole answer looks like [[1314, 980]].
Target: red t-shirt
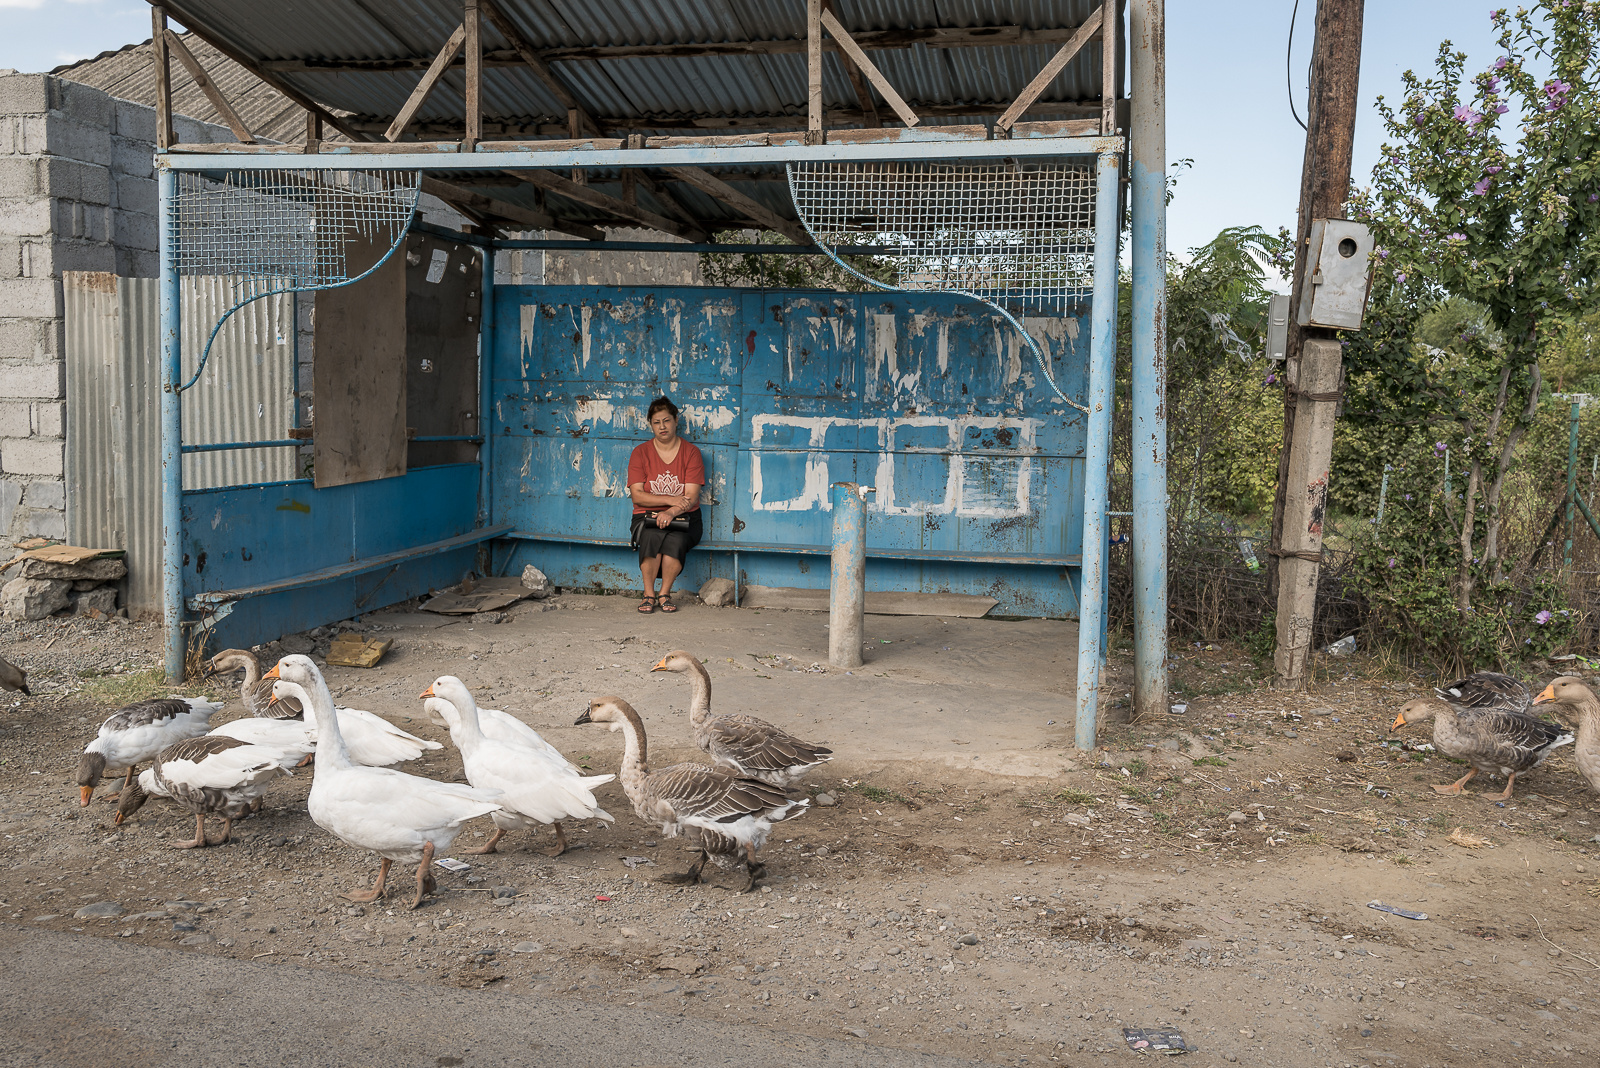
[[646, 466]]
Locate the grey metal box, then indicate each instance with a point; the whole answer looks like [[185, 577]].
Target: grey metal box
[[1339, 273]]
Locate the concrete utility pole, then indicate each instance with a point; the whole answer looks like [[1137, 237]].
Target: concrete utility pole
[[1313, 370]]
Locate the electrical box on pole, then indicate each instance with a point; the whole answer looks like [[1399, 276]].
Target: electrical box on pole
[[1338, 275], [1278, 327]]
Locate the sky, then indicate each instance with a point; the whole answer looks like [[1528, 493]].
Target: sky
[[1227, 108]]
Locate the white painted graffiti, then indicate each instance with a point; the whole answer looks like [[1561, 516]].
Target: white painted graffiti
[[969, 484]]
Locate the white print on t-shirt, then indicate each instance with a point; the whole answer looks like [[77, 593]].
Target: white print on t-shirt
[[667, 485]]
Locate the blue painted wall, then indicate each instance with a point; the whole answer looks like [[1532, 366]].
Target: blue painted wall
[[249, 535], [932, 399]]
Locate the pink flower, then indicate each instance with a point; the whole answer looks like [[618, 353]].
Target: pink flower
[[1482, 187], [1542, 618], [1500, 64], [1464, 114], [1455, 237], [1495, 169]]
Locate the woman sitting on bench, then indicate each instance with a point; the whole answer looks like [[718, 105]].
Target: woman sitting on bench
[[664, 479]]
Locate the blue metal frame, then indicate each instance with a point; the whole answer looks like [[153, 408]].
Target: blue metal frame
[[1097, 448]]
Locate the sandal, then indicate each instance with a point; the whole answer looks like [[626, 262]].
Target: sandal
[[666, 603], [647, 606]]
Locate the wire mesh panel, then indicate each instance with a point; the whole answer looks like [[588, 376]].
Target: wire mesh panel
[[1017, 236], [274, 231], [1020, 236]]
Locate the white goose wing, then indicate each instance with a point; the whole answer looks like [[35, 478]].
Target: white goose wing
[[535, 786], [222, 763], [374, 741], [376, 799], [283, 733]]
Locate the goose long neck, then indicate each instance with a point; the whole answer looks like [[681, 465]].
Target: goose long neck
[[700, 693], [635, 748], [471, 728], [332, 753], [252, 674]]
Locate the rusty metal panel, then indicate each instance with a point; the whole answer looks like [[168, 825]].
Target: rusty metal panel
[[930, 399]]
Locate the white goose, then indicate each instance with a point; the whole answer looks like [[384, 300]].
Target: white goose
[[211, 775], [725, 816], [138, 732], [398, 816], [537, 784]]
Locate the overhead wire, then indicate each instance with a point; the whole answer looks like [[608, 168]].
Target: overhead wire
[[1288, 66]]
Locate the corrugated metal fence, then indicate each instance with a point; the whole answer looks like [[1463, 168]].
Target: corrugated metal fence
[[114, 400]]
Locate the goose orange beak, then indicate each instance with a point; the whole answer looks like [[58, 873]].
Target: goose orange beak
[[1546, 694], [1399, 721], [661, 665], [425, 693], [84, 793], [117, 819], [273, 674]]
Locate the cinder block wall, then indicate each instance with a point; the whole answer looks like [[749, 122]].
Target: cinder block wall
[[77, 193]]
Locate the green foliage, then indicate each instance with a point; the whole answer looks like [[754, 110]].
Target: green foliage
[[779, 271]]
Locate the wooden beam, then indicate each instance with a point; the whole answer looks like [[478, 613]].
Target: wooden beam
[[430, 78], [965, 37], [814, 69], [158, 51], [1109, 53], [176, 47], [474, 95], [527, 217], [313, 133], [526, 54], [875, 76], [869, 106], [752, 210], [670, 202], [582, 194], [1057, 63]]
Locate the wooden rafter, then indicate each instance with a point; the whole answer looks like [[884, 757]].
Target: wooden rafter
[[813, 69], [158, 52], [1108, 68], [527, 55], [666, 198], [874, 75], [1057, 63], [869, 106], [430, 78], [872, 40], [525, 217], [752, 210], [473, 46], [176, 46], [583, 194]]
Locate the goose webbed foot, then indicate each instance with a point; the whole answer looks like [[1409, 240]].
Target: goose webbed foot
[[425, 881], [1456, 787], [561, 842], [757, 872], [1511, 780], [377, 891], [488, 847], [687, 878], [199, 841]]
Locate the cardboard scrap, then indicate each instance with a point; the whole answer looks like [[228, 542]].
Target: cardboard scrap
[[60, 554], [355, 650], [483, 595]]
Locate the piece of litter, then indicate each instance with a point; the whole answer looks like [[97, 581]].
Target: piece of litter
[[634, 862], [1167, 1040], [601, 897], [451, 864], [1179, 709], [1407, 913], [1467, 839]]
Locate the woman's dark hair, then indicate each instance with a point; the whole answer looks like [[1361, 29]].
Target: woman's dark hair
[[657, 405]]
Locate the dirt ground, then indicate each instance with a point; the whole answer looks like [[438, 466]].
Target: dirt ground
[[978, 888]]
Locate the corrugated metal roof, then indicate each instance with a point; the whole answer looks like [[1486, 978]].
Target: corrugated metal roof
[[130, 74]]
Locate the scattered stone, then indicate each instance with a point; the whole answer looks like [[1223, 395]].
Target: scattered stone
[[183, 925], [25, 598], [717, 592], [101, 599], [101, 569], [503, 891], [1556, 810], [535, 580], [822, 851], [1077, 819], [195, 940], [490, 617], [1237, 817], [100, 910], [826, 800], [527, 947], [297, 643], [855, 1031], [1320, 712], [967, 939], [681, 965], [502, 902]]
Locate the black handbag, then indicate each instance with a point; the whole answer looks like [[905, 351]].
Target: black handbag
[[679, 522]]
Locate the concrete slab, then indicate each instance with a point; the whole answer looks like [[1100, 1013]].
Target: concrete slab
[[892, 603]]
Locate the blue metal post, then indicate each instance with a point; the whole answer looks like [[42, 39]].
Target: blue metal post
[[847, 579], [486, 392], [1147, 44], [1097, 449], [171, 426]]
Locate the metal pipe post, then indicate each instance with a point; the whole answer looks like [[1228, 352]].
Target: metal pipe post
[[1572, 485], [1147, 44], [486, 392], [171, 296], [1097, 447], [847, 579]]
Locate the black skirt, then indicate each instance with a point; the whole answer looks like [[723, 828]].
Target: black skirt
[[653, 541]]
